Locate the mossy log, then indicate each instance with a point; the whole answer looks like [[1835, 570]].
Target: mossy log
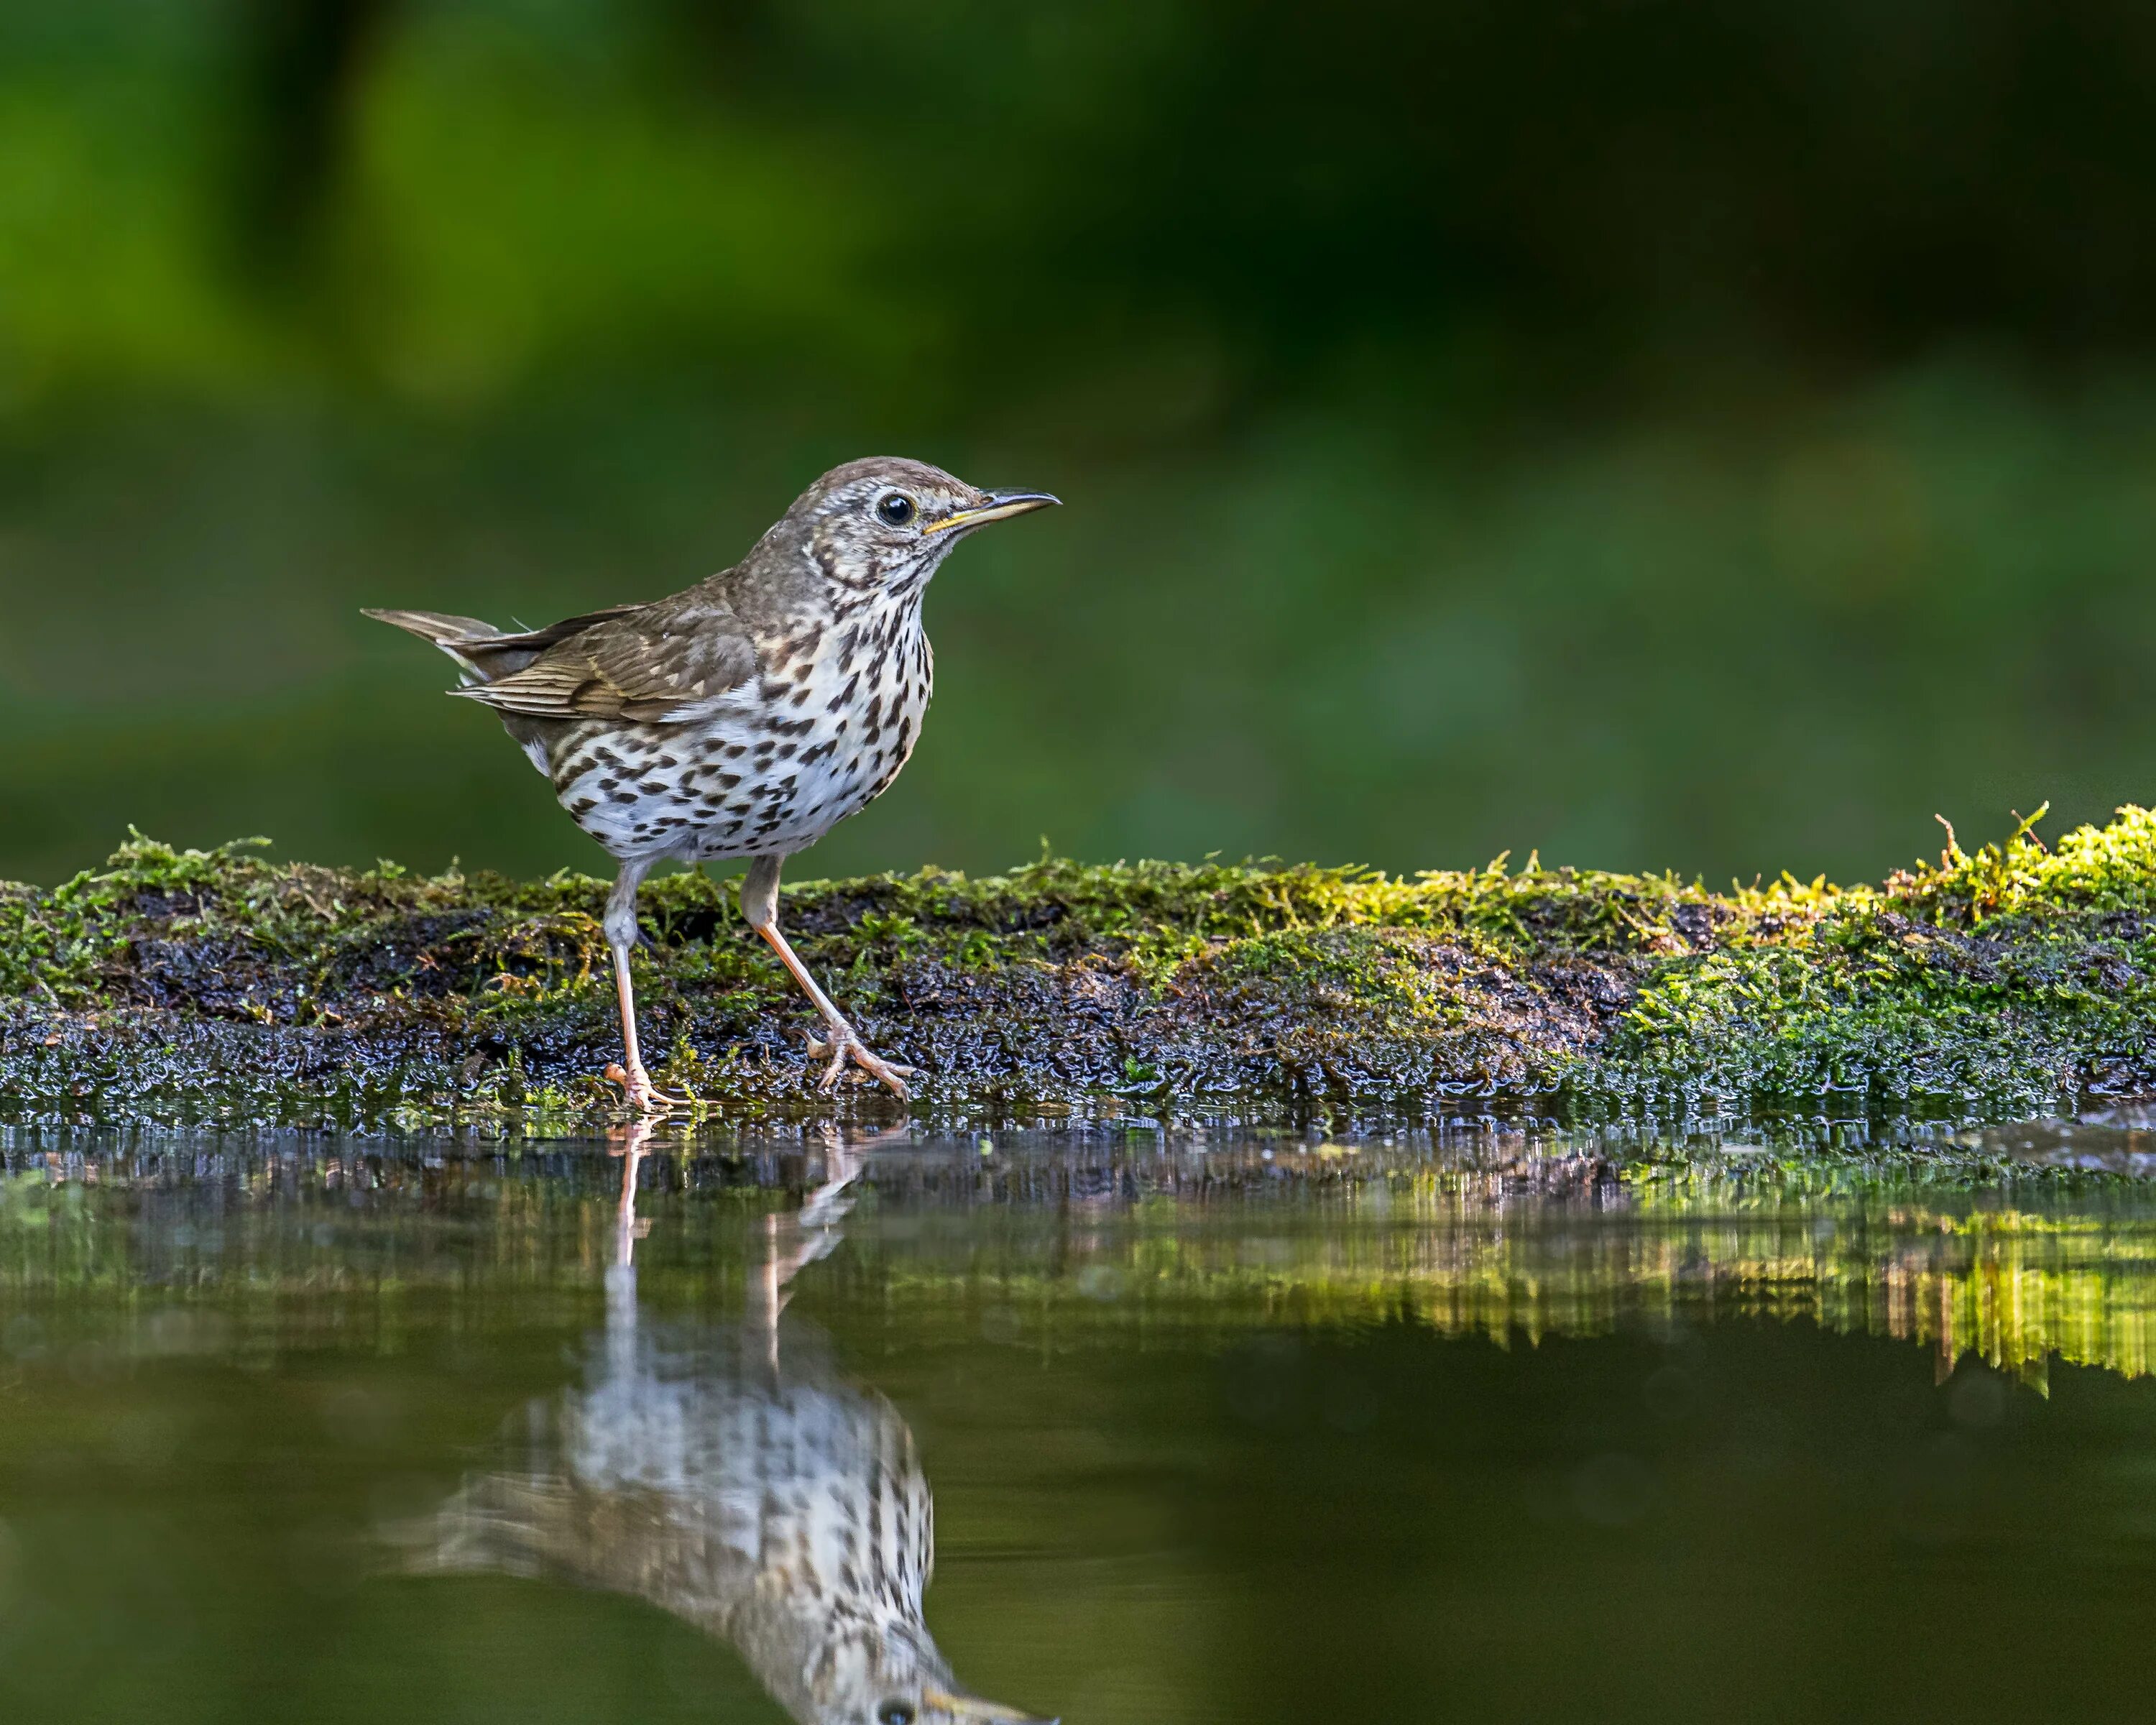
[[183, 985]]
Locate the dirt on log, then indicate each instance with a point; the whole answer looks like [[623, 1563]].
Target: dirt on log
[[182, 986]]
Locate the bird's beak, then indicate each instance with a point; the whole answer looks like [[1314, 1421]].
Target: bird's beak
[[971, 1707], [1001, 506]]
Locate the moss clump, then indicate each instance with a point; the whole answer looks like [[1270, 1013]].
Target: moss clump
[[192, 984], [1996, 980]]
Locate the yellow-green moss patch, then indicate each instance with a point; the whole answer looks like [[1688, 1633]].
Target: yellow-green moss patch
[[192, 984]]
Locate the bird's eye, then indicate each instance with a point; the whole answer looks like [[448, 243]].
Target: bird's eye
[[896, 508], [895, 1712]]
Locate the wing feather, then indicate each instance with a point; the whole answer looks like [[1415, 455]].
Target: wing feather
[[655, 665]]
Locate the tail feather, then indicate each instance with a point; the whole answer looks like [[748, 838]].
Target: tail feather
[[435, 626], [453, 635], [481, 651], [495, 1523]]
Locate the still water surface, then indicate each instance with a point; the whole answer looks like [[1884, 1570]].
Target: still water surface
[[1221, 1426]]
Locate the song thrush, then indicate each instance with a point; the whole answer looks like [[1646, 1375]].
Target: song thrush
[[746, 716], [738, 1480]]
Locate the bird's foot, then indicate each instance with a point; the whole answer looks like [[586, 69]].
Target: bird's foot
[[643, 1096], [846, 1049]]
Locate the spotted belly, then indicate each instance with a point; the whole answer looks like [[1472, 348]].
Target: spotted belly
[[727, 789]]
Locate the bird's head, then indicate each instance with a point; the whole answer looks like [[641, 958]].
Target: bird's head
[[886, 523], [851, 1669], [929, 1704]]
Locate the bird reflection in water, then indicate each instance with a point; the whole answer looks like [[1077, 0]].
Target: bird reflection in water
[[735, 1479]]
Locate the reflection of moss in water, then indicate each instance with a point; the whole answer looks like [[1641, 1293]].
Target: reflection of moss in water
[[185, 983], [2012, 1288], [1519, 1255]]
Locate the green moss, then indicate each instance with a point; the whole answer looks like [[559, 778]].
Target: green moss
[[1999, 978], [171, 981]]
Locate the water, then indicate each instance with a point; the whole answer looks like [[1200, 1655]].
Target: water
[[1224, 1426]]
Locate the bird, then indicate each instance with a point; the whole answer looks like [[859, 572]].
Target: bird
[[743, 717], [735, 1479]]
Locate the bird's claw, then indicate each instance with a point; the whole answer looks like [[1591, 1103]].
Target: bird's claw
[[644, 1095], [845, 1048]]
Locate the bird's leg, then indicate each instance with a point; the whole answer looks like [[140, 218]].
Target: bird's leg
[[759, 898], [816, 1233], [825, 1208], [629, 1229], [620, 925]]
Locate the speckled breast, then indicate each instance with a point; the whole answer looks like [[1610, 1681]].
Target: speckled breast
[[825, 729]]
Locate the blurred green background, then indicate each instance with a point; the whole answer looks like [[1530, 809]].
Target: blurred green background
[[1706, 434]]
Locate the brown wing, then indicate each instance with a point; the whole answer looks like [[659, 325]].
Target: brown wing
[[537, 639], [485, 651], [651, 664]]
